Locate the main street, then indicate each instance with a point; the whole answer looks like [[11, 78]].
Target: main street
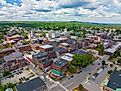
[[79, 78], [69, 84]]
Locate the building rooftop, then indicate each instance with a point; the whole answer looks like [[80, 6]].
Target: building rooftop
[[7, 49], [114, 48], [69, 55], [65, 44], [67, 58], [14, 56], [14, 36], [60, 49], [46, 61], [39, 54], [46, 46], [22, 46], [60, 63], [71, 41], [36, 84], [79, 52], [115, 80]]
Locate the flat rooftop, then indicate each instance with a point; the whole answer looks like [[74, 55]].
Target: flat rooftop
[[14, 56], [39, 54], [79, 52], [59, 49], [69, 54], [114, 48], [7, 49], [36, 84], [115, 80], [46, 61], [14, 36], [19, 46], [46, 46], [60, 63], [67, 58]]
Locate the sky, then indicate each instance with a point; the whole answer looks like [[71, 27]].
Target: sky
[[99, 11]]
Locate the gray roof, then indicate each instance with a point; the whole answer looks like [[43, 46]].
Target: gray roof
[[115, 80], [39, 54], [36, 84], [14, 56], [60, 49], [60, 63]]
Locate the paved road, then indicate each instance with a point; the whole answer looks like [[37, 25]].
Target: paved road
[[91, 86], [102, 75], [79, 78]]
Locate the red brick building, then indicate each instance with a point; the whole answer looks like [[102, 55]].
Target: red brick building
[[58, 69], [24, 48], [14, 37], [6, 51], [49, 49], [14, 61]]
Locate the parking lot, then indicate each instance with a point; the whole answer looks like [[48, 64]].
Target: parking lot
[[19, 76]]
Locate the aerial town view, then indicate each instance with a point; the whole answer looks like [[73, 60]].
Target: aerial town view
[[60, 45]]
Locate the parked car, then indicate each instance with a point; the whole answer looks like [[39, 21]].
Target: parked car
[[79, 72], [72, 76]]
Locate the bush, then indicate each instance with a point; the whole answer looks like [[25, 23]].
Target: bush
[[110, 72], [81, 87], [6, 73]]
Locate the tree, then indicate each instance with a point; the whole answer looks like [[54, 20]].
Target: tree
[[81, 87], [100, 48], [6, 73], [110, 71], [119, 60], [1, 87], [72, 69], [103, 63]]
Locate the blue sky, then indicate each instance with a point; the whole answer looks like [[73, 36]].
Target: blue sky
[[107, 11]]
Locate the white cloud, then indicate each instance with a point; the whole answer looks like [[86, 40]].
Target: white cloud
[[83, 10]]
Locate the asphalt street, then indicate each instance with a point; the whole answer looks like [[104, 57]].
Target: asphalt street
[[79, 78]]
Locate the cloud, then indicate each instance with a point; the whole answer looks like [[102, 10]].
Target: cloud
[[58, 10]]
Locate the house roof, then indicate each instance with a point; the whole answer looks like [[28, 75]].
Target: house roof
[[36, 84], [115, 80]]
